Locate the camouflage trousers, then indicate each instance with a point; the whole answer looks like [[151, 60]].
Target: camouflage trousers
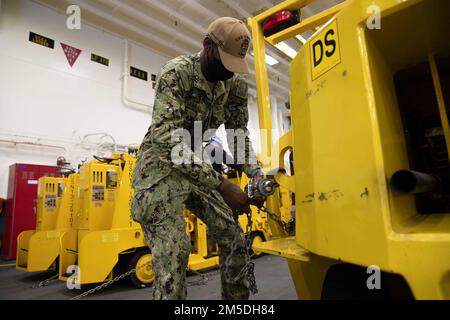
[[159, 210]]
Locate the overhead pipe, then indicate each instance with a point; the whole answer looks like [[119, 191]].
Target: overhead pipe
[[203, 31], [169, 12], [179, 17], [176, 50], [151, 36], [126, 100], [155, 38], [163, 42], [15, 143], [151, 22]]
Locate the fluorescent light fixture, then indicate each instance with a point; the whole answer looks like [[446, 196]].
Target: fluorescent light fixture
[[287, 50], [301, 39], [269, 60]]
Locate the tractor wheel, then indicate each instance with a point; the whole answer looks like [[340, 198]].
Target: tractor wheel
[[144, 276], [256, 238]]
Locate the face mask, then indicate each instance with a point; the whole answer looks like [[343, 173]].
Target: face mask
[[214, 70]]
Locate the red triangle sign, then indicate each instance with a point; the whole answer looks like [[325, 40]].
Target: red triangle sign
[[71, 53]]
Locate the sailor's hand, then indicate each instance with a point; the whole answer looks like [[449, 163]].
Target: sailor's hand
[[234, 197], [258, 201], [257, 176]]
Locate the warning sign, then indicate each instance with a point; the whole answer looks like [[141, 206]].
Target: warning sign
[[71, 53], [324, 50]]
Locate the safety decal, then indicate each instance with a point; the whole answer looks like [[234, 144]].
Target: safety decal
[[324, 50], [71, 53]]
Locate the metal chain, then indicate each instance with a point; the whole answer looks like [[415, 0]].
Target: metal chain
[[104, 285], [203, 280], [247, 270], [286, 226], [248, 248], [249, 266], [46, 282]]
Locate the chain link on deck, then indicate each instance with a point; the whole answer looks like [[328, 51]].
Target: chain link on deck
[[46, 282], [204, 278], [247, 270], [104, 285], [249, 267]]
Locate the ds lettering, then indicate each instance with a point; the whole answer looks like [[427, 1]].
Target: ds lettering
[[318, 47], [324, 52]]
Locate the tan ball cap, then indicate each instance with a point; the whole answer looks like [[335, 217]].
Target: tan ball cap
[[233, 39]]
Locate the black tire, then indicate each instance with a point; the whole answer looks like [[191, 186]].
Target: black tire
[[348, 282], [143, 277]]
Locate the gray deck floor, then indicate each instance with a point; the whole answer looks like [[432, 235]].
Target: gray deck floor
[[272, 276]]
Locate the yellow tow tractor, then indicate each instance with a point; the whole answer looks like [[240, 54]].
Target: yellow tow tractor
[[106, 231], [57, 208], [371, 139]]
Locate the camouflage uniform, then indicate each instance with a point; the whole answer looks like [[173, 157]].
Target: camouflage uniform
[[163, 188]]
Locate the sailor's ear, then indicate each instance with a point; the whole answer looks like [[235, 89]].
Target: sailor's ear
[[207, 43]]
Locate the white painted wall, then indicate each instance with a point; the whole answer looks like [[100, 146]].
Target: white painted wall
[[45, 101], [43, 98]]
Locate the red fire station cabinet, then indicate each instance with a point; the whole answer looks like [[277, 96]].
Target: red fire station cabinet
[[21, 203]]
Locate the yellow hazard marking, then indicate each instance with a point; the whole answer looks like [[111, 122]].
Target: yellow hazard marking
[[110, 237], [53, 234]]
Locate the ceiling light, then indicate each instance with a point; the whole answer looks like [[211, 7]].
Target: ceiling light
[[287, 50], [269, 60], [301, 39]]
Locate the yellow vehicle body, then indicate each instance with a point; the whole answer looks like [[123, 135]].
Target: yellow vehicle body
[[105, 225], [57, 206], [261, 230], [348, 140]]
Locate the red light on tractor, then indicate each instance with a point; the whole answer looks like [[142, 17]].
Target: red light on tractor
[[279, 21]]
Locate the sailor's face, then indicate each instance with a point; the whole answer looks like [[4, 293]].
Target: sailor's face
[[214, 69]]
